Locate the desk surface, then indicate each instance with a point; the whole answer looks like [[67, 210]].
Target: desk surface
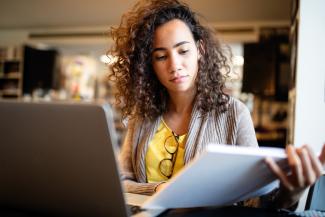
[[193, 212], [225, 211]]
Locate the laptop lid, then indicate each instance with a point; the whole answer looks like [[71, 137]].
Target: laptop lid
[[58, 158], [316, 195]]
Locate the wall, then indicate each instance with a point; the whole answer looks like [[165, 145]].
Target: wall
[[310, 78], [13, 37]]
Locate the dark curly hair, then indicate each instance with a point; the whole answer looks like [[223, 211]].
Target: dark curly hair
[[139, 89]]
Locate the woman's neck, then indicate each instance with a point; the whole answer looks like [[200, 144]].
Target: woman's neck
[[181, 103], [178, 114]]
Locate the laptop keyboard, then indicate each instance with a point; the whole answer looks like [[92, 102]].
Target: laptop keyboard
[[310, 213]]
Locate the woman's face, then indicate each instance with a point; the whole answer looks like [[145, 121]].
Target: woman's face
[[175, 56]]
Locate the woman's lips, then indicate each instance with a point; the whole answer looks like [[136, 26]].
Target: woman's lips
[[179, 79]]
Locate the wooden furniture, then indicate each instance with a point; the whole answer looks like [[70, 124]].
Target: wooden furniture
[[11, 71]]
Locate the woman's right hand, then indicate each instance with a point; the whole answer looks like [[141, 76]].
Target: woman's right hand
[[160, 186]]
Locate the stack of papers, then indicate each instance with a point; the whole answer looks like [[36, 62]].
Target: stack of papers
[[221, 175]]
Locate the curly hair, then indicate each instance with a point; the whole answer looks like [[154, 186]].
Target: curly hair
[[138, 88]]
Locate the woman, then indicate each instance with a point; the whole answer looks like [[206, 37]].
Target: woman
[[169, 79]]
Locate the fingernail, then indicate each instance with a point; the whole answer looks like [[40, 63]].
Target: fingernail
[[267, 160]]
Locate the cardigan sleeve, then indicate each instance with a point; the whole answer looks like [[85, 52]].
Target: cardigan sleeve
[[125, 155], [128, 177], [245, 129]]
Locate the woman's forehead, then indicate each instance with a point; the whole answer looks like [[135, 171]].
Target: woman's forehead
[[171, 33]]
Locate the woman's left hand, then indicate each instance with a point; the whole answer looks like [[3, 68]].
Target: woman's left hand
[[305, 168]]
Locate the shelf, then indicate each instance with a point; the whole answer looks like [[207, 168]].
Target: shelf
[[10, 92], [271, 135], [11, 75]]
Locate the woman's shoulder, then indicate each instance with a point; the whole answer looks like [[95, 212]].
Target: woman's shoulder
[[236, 107], [136, 123], [236, 104]]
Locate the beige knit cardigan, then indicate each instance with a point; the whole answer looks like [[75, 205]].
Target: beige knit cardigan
[[233, 127]]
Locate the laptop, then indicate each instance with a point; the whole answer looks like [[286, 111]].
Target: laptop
[[58, 159]]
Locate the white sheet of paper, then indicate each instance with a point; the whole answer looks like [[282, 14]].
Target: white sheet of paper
[[221, 175]]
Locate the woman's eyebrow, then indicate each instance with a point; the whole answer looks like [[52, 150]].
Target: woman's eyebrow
[[176, 45]]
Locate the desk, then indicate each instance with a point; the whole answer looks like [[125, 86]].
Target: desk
[[194, 212], [232, 211], [135, 199]]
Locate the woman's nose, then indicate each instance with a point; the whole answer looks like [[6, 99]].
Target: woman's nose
[[174, 63]]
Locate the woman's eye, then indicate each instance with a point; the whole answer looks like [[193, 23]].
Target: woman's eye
[[159, 58], [183, 51]]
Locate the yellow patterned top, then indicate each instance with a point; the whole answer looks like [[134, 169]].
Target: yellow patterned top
[[156, 152]]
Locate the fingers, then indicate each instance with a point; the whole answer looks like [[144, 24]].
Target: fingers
[[305, 167], [308, 171], [315, 162], [295, 165], [279, 173], [160, 186], [322, 156]]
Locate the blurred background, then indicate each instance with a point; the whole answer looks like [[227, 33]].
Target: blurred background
[[56, 50]]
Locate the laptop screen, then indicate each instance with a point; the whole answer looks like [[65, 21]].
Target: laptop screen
[[58, 158]]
